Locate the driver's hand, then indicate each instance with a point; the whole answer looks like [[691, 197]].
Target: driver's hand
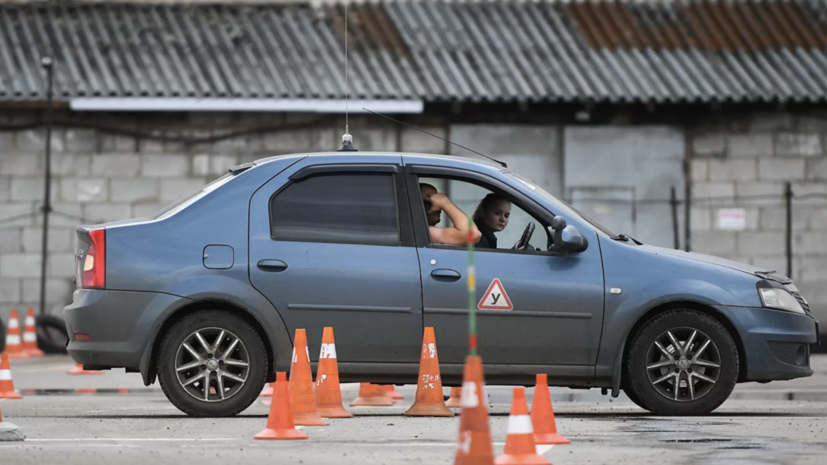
[[439, 201]]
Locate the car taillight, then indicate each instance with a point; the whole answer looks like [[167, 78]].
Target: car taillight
[[94, 266]]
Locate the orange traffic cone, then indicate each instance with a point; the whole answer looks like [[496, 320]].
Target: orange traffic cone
[[429, 401], [475, 446], [456, 395], [542, 415], [30, 336], [6, 383], [14, 343], [393, 393], [78, 370], [280, 423], [302, 395], [372, 395], [268, 390], [328, 390], [519, 444]]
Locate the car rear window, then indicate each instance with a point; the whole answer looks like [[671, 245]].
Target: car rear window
[[192, 197], [348, 208]]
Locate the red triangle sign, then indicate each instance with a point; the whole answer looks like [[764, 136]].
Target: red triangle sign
[[495, 298]]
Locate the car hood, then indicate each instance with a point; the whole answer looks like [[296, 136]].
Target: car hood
[[725, 262]]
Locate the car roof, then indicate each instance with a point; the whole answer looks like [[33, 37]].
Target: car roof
[[388, 154]]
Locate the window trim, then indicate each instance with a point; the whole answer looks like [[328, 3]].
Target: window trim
[[405, 236], [423, 237]]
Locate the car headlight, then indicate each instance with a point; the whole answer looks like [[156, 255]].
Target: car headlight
[[779, 299]]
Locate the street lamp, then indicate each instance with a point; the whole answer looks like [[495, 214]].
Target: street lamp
[[47, 63]]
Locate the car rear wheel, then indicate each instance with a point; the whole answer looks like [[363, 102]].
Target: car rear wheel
[[682, 362], [212, 363]]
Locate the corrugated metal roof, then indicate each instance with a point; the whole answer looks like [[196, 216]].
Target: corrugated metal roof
[[511, 50]]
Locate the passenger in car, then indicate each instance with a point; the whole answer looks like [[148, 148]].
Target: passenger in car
[[491, 216], [435, 204]]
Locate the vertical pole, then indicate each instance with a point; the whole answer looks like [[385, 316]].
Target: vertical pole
[[687, 236], [673, 199], [472, 291], [47, 207], [788, 198]]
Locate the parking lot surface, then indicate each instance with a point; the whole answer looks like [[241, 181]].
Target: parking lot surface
[[66, 422]]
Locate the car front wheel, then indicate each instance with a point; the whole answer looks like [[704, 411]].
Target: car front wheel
[[682, 362], [212, 363]]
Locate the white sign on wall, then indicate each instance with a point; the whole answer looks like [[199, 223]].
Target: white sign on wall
[[732, 219]]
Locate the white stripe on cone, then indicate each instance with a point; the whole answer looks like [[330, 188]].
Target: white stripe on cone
[[29, 321], [14, 323], [328, 351], [12, 339], [520, 424], [29, 337], [5, 375]]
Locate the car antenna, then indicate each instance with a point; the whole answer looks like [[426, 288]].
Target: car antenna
[[502, 163], [347, 139]]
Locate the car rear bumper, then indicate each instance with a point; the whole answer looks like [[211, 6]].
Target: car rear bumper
[[119, 323], [776, 343]]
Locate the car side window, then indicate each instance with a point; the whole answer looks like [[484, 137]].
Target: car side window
[[356, 208], [502, 223]]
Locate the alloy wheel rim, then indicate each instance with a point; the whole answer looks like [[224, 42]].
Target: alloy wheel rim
[[683, 364], [212, 364]]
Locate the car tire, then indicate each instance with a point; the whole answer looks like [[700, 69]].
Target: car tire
[[632, 395], [704, 362], [178, 367], [52, 335]]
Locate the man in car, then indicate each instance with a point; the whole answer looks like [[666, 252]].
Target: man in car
[[458, 234]]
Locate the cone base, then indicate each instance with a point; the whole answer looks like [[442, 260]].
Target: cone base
[[372, 402], [393, 394], [521, 459], [18, 355], [280, 434], [550, 438], [308, 419], [10, 395], [35, 353], [267, 392], [78, 370], [336, 411], [453, 402], [429, 410]]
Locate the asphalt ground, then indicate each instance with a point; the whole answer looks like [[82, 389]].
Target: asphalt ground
[[781, 422]]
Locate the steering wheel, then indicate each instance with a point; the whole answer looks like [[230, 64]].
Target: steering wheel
[[526, 237]]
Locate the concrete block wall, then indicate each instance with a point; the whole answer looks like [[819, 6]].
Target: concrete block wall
[[97, 177], [744, 162]]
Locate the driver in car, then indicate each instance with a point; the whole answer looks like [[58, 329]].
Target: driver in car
[[491, 216], [435, 204]]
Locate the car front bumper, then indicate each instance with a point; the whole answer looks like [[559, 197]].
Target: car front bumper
[[776, 343], [119, 323]]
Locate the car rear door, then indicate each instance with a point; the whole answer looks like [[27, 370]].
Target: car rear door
[[332, 245], [543, 308]]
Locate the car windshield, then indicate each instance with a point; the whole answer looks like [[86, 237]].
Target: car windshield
[[566, 208]]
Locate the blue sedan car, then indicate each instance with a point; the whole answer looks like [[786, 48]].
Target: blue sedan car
[[206, 295]]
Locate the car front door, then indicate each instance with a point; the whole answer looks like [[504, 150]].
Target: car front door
[[533, 307], [332, 245]]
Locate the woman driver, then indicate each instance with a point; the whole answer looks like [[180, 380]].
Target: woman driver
[[491, 216]]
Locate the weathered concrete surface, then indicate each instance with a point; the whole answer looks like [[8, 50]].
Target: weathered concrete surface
[[144, 427], [10, 432]]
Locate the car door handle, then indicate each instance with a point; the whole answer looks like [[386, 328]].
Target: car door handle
[[446, 274], [271, 264]]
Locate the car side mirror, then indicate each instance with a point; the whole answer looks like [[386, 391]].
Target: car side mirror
[[566, 238], [558, 223]]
